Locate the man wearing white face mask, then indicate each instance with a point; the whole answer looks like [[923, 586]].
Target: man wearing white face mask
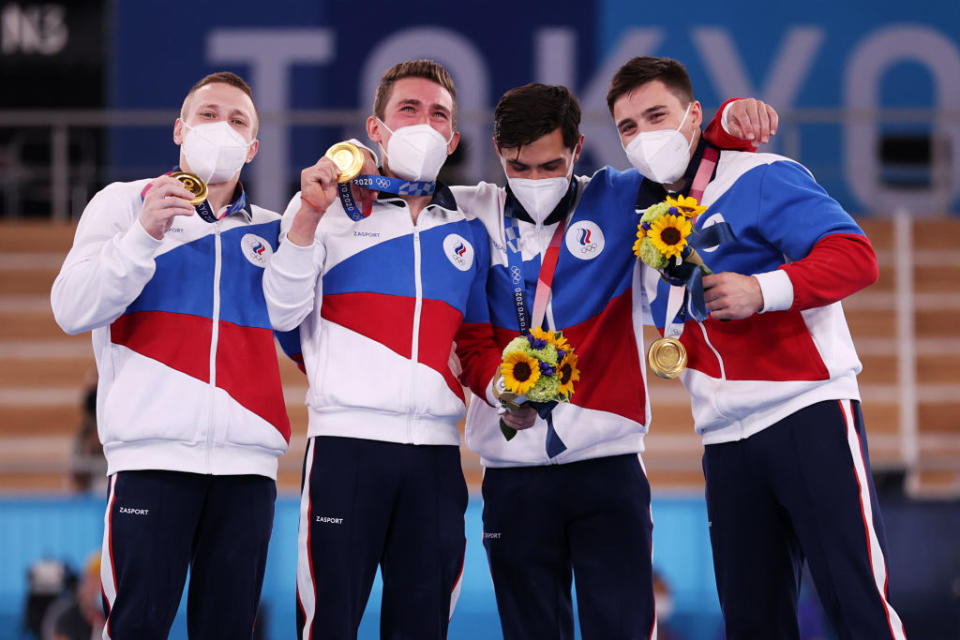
[[583, 511], [382, 291], [189, 404], [772, 370]]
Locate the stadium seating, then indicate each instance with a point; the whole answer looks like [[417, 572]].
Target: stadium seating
[[42, 371]]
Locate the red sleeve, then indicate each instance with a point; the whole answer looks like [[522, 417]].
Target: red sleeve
[[479, 356], [716, 136], [838, 265]]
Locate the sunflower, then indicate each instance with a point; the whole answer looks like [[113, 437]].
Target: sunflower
[[669, 234], [639, 242], [560, 342], [568, 374], [686, 205], [520, 372]]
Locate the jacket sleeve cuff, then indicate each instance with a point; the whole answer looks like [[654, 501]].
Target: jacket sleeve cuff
[[491, 399], [139, 245], [725, 118], [295, 261], [777, 290]]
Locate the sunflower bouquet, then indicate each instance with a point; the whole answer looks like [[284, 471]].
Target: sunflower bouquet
[[539, 369], [662, 236]]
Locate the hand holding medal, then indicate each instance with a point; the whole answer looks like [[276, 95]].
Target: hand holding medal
[[163, 199]]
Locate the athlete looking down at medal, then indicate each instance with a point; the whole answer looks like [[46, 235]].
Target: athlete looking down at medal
[[583, 509], [381, 294], [773, 390], [189, 405]]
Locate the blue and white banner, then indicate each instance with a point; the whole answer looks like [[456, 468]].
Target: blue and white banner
[[829, 65]]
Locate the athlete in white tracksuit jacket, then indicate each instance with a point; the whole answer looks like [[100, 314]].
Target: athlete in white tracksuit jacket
[[189, 405]]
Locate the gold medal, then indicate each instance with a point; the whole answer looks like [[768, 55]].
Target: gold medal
[[508, 399], [193, 184], [348, 158], [667, 357]]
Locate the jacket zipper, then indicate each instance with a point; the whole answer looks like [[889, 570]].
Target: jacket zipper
[[417, 310], [214, 340], [723, 373]]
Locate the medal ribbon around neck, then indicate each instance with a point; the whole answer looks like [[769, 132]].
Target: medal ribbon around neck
[[554, 445], [349, 160], [686, 278], [380, 183]]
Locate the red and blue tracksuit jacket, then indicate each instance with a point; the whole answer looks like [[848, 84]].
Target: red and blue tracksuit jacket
[[380, 303], [808, 254], [188, 374]]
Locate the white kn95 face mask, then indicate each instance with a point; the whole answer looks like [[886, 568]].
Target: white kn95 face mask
[[661, 156], [416, 152], [215, 151], [540, 197]]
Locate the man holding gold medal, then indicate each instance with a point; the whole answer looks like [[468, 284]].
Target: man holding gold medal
[[381, 288], [167, 272], [574, 502], [772, 370]]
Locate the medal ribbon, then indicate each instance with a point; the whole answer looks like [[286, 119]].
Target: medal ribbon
[[686, 278], [554, 445], [380, 183], [544, 279]]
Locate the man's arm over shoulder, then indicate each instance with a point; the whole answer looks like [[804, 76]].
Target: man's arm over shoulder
[[110, 263], [481, 200], [830, 256], [741, 123], [290, 282], [476, 346]]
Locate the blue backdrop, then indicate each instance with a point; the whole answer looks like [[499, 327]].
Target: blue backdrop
[[68, 529], [854, 56], [923, 552]]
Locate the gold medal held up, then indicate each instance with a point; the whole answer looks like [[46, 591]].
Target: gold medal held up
[[348, 158], [193, 184], [667, 357]]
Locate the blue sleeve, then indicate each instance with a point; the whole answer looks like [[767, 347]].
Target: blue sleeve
[[795, 212]]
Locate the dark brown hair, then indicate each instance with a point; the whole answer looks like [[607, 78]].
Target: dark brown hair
[[641, 70], [527, 113]]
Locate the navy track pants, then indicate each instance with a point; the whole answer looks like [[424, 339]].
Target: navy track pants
[[800, 488], [366, 503], [589, 519], [159, 523]]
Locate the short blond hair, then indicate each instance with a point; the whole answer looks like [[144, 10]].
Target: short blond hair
[[421, 68], [223, 77]]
